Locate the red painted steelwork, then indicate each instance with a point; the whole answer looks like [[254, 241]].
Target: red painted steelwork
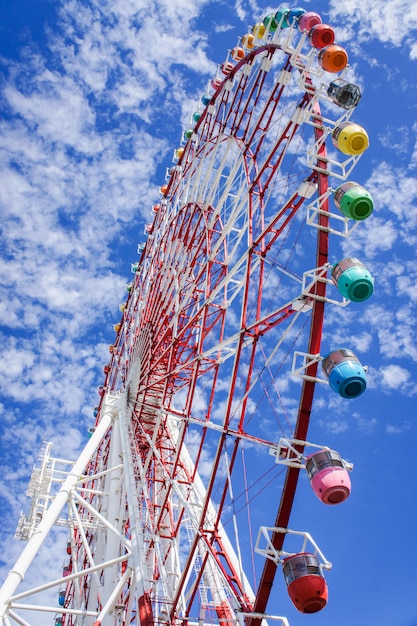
[[307, 393]]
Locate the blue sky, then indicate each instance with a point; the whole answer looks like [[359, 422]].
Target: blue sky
[[93, 99]]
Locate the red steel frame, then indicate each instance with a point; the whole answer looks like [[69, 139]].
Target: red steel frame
[[169, 364]]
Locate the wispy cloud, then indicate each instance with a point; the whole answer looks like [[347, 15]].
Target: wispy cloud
[[83, 150], [364, 21]]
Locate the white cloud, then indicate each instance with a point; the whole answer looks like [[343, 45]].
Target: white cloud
[[57, 110], [240, 11], [335, 427], [79, 176], [223, 28], [393, 377], [394, 429], [376, 236], [364, 20], [394, 190], [366, 424]]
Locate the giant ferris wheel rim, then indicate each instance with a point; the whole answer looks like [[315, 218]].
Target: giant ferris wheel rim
[[315, 326], [283, 514], [316, 321], [215, 301]]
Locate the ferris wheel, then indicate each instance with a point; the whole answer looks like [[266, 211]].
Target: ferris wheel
[[205, 408]]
